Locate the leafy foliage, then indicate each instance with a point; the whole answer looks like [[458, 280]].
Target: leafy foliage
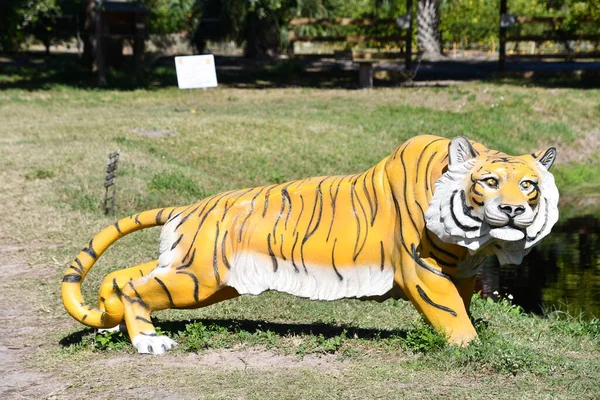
[[476, 22]]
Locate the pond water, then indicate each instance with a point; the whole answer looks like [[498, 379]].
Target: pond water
[[561, 273]]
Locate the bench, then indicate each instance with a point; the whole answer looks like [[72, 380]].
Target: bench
[[364, 58]]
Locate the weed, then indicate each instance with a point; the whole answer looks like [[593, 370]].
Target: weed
[[110, 340], [423, 339], [40, 173], [177, 182]]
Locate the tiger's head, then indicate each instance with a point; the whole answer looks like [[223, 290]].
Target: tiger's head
[[494, 203]]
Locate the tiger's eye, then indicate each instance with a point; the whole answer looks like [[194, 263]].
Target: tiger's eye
[[526, 184], [491, 182]]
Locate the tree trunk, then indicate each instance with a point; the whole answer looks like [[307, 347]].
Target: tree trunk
[[89, 36], [428, 36]]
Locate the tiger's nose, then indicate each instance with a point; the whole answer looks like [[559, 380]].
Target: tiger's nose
[[511, 210]]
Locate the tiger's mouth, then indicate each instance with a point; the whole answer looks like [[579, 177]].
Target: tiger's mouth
[[505, 227], [507, 233]]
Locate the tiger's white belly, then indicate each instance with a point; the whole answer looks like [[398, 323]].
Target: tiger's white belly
[[254, 273]]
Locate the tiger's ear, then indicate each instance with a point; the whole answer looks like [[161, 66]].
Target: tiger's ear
[[546, 158], [460, 150]]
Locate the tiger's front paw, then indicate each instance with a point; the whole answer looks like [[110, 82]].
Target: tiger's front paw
[[153, 344]]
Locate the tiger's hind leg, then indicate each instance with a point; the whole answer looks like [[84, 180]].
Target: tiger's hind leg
[[165, 288], [109, 295]]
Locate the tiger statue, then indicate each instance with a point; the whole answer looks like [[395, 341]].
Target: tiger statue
[[416, 226]]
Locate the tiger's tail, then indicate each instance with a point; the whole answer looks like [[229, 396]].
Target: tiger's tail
[[76, 272]]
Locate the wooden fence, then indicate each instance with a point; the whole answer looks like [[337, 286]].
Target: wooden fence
[[512, 22]]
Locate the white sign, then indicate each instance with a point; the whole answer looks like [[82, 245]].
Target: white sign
[[196, 71]]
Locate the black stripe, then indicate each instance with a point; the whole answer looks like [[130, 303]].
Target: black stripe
[[79, 264], [319, 201], [427, 171], [136, 218], [281, 248], [475, 190], [227, 208], [283, 202], [480, 204], [431, 303], [90, 250], [182, 221], [532, 238], [333, 201], [340, 277], [273, 258], [170, 214], [371, 205], [76, 269], [537, 195], [437, 248], [455, 218], [405, 200], [467, 209], [266, 202], [137, 300], [177, 242], [223, 251], [196, 284], [72, 278], [159, 216], [162, 284], [301, 211], [204, 216], [84, 317], [397, 208], [116, 225], [286, 196], [374, 197], [358, 250], [419, 162], [215, 262], [141, 272], [441, 262], [116, 287], [187, 253], [146, 320], [151, 334], [382, 254], [130, 284], [191, 260], [293, 248], [421, 263], [249, 214]]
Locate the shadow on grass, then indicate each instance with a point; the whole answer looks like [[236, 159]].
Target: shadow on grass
[[35, 71], [171, 328]]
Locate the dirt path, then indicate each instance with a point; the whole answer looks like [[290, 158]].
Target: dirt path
[[29, 327], [23, 323]]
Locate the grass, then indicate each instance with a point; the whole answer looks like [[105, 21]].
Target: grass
[[55, 139]]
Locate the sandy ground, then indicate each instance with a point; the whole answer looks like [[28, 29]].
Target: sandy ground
[[29, 327]]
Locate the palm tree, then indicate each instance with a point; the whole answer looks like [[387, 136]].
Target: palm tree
[[428, 35]]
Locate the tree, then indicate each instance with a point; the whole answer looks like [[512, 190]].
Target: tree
[[428, 35], [19, 16], [257, 25]]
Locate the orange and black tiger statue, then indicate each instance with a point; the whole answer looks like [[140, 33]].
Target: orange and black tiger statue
[[416, 226]]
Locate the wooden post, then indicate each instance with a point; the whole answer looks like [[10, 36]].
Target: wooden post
[[502, 47], [408, 56], [365, 75]]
